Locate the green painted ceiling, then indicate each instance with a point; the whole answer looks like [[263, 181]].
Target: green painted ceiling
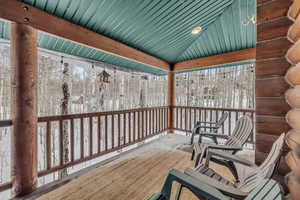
[[161, 28]]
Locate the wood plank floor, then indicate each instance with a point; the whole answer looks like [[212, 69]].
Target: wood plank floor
[[134, 176]]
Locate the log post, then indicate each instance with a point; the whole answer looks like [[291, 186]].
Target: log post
[[171, 89], [24, 109]]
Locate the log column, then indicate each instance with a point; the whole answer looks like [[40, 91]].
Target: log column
[[171, 89], [24, 109]]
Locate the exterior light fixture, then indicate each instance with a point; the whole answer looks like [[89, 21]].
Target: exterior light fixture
[[196, 30]]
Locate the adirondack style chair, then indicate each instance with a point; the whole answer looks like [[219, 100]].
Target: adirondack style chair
[[267, 189], [214, 126], [252, 174], [233, 144]]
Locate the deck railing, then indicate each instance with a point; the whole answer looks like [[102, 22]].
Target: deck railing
[[185, 117], [92, 135]]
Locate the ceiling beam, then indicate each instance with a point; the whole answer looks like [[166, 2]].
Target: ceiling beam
[[220, 59], [15, 11]]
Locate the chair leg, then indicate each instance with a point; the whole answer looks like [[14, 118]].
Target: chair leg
[[192, 138], [233, 170], [178, 192], [197, 159], [193, 154]]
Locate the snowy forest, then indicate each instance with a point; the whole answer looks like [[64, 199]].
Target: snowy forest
[[69, 85]]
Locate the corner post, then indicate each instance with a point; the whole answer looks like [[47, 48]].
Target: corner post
[[24, 108], [171, 89]]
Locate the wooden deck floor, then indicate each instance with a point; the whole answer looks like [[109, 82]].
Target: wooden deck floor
[[134, 176]]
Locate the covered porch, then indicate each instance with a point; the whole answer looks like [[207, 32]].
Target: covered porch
[[125, 153]]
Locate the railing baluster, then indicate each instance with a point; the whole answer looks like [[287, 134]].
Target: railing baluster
[[177, 118], [99, 134], [146, 123], [119, 130], [195, 116], [143, 130], [181, 116], [48, 145], [210, 118], [112, 131], [81, 138], [159, 120], [205, 117], [61, 143], [91, 135], [129, 126], [229, 123], [190, 124], [134, 126], [72, 139], [106, 134], [152, 121], [124, 129], [223, 131]]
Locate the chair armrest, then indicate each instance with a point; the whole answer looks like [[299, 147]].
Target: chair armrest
[[228, 190], [230, 157], [215, 135], [223, 147], [203, 122], [194, 185]]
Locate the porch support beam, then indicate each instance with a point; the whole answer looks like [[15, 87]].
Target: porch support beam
[[220, 59], [15, 11], [171, 91], [24, 109]]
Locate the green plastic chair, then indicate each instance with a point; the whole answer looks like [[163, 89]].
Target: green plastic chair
[[268, 189]]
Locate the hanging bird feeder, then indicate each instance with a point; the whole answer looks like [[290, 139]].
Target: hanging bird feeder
[[104, 77]]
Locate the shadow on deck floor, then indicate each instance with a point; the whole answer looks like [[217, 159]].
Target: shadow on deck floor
[[136, 175]]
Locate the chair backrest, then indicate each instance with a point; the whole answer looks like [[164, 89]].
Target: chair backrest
[[241, 132], [266, 169], [222, 120]]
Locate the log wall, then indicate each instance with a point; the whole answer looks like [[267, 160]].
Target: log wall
[[293, 99], [271, 67]]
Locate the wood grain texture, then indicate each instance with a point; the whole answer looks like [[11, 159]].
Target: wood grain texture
[[293, 119], [135, 175], [271, 87], [293, 161], [294, 30], [293, 97], [274, 106], [24, 109], [293, 139], [271, 67], [294, 9], [273, 29], [293, 75], [226, 58], [272, 48], [171, 99], [293, 54], [272, 125], [264, 143], [272, 10], [22, 13], [293, 183]]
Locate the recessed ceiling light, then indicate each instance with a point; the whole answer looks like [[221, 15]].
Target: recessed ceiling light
[[196, 30]]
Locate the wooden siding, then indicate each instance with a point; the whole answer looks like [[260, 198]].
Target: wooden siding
[[272, 45]]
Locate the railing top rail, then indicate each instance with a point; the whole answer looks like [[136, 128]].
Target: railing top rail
[[7, 123], [213, 108]]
